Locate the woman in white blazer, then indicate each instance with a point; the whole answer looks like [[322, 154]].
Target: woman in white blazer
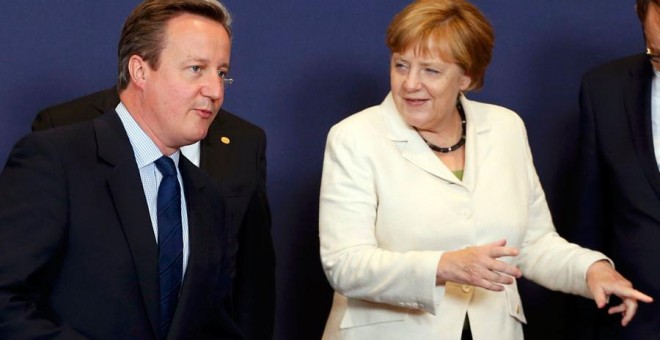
[[430, 205]]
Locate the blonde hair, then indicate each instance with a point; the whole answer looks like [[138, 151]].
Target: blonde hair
[[459, 30]]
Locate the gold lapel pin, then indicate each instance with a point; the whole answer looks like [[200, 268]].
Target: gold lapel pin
[[225, 140]]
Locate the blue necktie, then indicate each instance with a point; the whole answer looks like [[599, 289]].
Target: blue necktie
[[170, 242]]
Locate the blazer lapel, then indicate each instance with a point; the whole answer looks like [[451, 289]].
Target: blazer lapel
[[414, 149], [477, 142], [638, 109], [125, 187], [411, 145]]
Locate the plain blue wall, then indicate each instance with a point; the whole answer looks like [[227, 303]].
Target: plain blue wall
[[300, 66]]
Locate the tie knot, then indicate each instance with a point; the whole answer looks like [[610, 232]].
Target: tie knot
[[166, 166]]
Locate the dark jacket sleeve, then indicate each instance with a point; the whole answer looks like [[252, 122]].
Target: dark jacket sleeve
[[33, 217], [589, 229], [254, 294]]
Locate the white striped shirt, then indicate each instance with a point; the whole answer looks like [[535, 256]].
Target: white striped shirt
[[146, 153], [655, 115]]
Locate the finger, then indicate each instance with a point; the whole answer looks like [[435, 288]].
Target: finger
[[490, 285], [631, 293], [631, 309], [502, 251], [617, 309], [498, 278], [498, 243], [506, 268], [600, 298], [637, 295]]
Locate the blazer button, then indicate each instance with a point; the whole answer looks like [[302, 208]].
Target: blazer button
[[517, 309], [466, 288]]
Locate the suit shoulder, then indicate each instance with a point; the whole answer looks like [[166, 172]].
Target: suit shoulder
[[68, 140], [227, 121], [361, 119], [494, 112], [76, 110], [615, 68], [231, 120], [83, 102], [496, 117]]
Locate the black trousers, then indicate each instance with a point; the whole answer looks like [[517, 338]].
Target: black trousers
[[467, 334]]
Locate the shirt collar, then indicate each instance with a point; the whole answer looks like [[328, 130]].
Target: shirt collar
[[145, 150]]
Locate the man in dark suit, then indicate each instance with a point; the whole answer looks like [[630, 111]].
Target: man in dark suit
[[106, 231], [233, 153], [619, 203]]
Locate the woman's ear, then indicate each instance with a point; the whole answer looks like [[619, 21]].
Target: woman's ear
[[466, 81]]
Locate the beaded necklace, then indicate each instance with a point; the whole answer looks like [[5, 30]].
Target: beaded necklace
[[460, 142]]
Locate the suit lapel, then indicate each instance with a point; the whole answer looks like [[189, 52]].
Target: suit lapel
[[125, 187], [214, 154], [205, 213], [638, 109]]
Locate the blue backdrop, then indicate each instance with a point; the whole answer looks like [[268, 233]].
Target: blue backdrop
[[300, 66]]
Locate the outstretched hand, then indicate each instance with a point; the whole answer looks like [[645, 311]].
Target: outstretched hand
[[604, 281], [478, 266]]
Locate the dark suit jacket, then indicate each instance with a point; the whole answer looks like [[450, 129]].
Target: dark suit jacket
[[240, 169], [79, 256], [619, 202]]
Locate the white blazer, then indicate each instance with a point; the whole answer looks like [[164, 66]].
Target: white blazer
[[389, 208]]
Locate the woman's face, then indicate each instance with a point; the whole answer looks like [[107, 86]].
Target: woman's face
[[425, 88]]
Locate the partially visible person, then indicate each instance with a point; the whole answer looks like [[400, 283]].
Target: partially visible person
[[430, 206], [233, 153], [618, 179], [107, 231]]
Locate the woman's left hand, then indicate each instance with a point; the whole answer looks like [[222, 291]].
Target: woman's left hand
[[604, 281]]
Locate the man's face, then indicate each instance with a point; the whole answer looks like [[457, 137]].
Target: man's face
[[182, 96], [652, 32]]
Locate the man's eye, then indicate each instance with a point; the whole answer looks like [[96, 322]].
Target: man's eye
[[222, 74], [196, 68]]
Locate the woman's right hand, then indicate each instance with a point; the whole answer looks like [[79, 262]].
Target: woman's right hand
[[478, 266]]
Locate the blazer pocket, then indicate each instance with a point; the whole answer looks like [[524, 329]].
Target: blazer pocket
[[514, 303], [363, 313]]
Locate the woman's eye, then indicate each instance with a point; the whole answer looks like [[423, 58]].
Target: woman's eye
[[431, 71], [400, 66]]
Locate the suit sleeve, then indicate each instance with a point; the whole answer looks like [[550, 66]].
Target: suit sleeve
[[43, 121], [354, 263], [589, 215], [254, 296], [545, 257], [33, 221]]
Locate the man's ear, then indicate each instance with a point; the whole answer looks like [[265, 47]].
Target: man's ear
[[138, 68]]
